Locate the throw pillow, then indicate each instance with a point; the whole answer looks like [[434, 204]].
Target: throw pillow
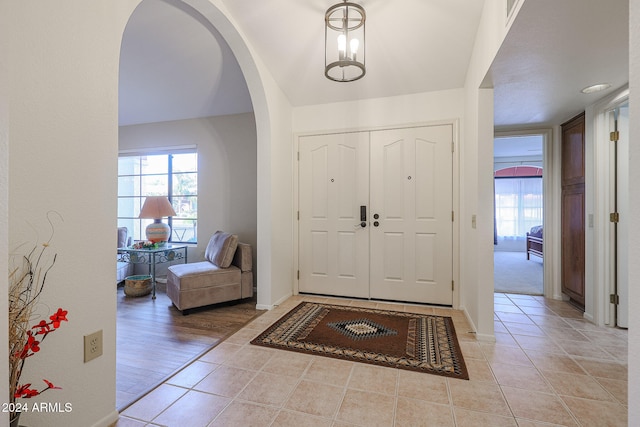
[[221, 249]]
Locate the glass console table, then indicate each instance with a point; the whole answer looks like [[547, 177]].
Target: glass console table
[[151, 257]]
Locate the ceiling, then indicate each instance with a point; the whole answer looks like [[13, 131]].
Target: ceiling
[[175, 65], [554, 50]]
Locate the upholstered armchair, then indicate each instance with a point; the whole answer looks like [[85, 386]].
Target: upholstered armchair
[[225, 275], [123, 269]]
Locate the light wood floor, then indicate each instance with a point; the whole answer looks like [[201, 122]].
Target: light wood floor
[[154, 340]]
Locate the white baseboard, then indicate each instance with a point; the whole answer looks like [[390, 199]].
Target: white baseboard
[[108, 420], [474, 329], [275, 304], [486, 338], [589, 317]]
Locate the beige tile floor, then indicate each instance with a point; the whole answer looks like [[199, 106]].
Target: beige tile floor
[[548, 367]]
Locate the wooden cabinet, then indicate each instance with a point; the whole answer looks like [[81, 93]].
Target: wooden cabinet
[[573, 210]]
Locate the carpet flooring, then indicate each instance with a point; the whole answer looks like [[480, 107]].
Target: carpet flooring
[[514, 274], [417, 342]]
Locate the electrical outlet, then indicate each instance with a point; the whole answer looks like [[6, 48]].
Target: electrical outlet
[[92, 346]]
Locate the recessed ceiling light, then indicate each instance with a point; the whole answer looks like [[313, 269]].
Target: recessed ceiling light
[[596, 88]]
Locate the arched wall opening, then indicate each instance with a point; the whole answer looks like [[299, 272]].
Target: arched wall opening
[[211, 15], [62, 93]]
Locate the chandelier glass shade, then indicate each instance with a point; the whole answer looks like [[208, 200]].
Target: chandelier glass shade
[[344, 53]]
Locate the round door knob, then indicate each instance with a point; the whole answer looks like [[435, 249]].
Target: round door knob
[[376, 216], [376, 223], [363, 224]]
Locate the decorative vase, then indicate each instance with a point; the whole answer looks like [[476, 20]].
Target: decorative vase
[[158, 231], [15, 420]]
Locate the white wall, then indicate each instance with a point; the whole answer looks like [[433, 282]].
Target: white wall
[[379, 112], [63, 157], [63, 148], [476, 167], [227, 181], [277, 221], [590, 287], [634, 213], [4, 195], [272, 110]]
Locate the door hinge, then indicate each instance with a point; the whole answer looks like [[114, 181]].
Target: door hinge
[[614, 136], [298, 215], [298, 274], [453, 285], [298, 156], [453, 146], [614, 299], [452, 216], [614, 217]]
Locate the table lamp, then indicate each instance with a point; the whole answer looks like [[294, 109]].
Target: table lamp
[[157, 207]]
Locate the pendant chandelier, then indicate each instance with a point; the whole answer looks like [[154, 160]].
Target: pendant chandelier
[[344, 59]]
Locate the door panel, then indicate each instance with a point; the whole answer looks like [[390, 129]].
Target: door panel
[[334, 183], [390, 180], [426, 180], [320, 250], [573, 210], [394, 256], [426, 253], [411, 191], [319, 182], [405, 177], [573, 259]]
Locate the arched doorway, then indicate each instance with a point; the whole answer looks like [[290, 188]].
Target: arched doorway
[[182, 92], [193, 125]]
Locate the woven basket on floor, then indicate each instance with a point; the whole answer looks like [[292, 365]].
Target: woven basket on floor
[[137, 286]]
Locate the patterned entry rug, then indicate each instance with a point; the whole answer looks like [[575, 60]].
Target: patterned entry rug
[[417, 342]]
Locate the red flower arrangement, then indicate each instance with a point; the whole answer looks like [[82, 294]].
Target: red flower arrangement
[[27, 276], [32, 346]]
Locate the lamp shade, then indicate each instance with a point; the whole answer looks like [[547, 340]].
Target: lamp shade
[[157, 207]]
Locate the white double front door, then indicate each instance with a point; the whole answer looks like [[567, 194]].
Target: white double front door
[[375, 214]]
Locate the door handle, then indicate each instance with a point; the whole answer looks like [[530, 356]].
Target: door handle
[[363, 216]]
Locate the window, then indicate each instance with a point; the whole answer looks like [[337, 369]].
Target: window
[[173, 175], [518, 205]]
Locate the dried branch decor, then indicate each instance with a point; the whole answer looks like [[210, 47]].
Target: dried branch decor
[[27, 278]]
